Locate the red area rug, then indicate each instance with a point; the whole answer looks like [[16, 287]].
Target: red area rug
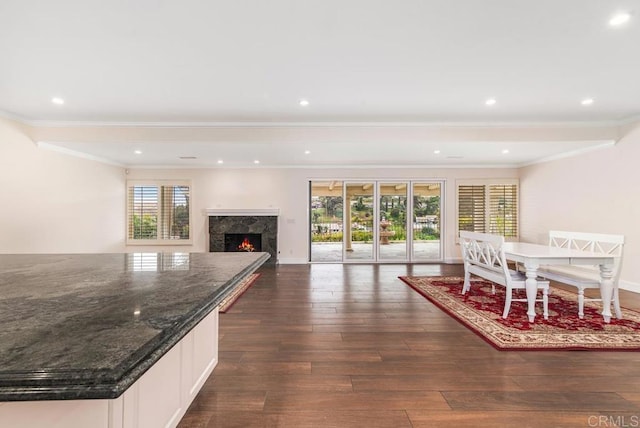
[[481, 311], [238, 291]]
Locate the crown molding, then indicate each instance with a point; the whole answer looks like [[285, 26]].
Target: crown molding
[[571, 153], [43, 123], [54, 148], [630, 120], [316, 167], [15, 117]]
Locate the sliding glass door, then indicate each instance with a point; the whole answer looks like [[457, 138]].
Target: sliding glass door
[[425, 229], [392, 226], [326, 211], [371, 221], [359, 221]]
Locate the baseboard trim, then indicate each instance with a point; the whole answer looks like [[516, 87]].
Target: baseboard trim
[[624, 285], [293, 261], [629, 286]]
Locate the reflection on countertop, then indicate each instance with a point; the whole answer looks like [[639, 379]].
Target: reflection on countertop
[[88, 325]]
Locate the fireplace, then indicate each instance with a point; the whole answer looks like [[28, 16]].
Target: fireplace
[[229, 228], [248, 242]]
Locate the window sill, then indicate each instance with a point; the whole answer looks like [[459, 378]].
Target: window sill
[[163, 242]]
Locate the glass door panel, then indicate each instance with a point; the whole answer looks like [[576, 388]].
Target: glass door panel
[[358, 221], [426, 221], [392, 227], [326, 221]]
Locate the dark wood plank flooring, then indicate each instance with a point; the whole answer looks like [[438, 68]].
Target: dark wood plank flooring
[[331, 345]]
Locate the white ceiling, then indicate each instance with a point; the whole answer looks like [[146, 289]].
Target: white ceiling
[[200, 63]]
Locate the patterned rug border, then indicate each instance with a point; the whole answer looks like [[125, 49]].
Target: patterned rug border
[[237, 292], [505, 338]]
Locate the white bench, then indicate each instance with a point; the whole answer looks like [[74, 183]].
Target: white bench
[[586, 276], [483, 256]]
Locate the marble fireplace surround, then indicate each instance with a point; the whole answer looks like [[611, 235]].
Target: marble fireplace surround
[[262, 221]]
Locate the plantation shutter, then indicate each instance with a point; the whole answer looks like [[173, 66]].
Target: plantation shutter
[[143, 212], [158, 212], [175, 215], [503, 210], [471, 208]]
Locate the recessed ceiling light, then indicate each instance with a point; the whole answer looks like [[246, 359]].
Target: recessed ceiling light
[[57, 100], [256, 162], [304, 102], [619, 19], [437, 152], [505, 151], [138, 152], [220, 161], [306, 152], [587, 101], [490, 101]]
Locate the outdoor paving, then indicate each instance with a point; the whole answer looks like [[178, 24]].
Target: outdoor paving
[[394, 251]]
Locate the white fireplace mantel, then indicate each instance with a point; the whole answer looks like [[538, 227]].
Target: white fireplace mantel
[[242, 212]]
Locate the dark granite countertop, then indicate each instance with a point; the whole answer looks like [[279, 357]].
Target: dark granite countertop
[[81, 326]]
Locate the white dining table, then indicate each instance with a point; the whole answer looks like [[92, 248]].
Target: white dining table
[[531, 256]]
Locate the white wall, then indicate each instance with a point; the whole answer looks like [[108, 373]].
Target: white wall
[[54, 203], [51, 202], [287, 190], [594, 192]]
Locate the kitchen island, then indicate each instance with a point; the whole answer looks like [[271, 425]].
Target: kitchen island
[[110, 340]]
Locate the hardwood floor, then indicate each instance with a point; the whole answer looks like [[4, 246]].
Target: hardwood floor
[[331, 345]]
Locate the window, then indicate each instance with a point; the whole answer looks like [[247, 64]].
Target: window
[[503, 210], [158, 212], [471, 207], [489, 207]]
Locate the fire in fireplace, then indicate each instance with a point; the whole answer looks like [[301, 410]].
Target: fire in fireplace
[[249, 242], [266, 226]]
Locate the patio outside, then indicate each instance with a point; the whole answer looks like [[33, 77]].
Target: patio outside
[[332, 252], [331, 202]]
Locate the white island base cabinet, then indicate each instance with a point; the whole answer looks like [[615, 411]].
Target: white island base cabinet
[[159, 398]]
